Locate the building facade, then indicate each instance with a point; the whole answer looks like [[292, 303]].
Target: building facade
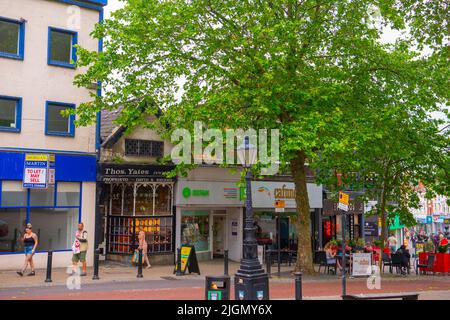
[[37, 63], [134, 192]]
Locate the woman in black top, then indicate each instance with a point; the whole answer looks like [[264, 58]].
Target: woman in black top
[[30, 242]]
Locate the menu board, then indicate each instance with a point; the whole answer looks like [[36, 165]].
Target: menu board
[[188, 260]]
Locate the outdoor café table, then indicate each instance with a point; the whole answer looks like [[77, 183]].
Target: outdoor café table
[[441, 261]]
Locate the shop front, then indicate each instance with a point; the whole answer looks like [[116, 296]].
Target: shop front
[[210, 217], [137, 198], [53, 192], [332, 222], [277, 229]]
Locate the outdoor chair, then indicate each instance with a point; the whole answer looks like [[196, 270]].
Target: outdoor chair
[[322, 260], [386, 261], [428, 266], [396, 262]]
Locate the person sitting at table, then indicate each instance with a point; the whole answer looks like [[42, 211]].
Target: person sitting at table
[[331, 253], [404, 252]]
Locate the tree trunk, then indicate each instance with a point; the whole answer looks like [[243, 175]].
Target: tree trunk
[[303, 225]]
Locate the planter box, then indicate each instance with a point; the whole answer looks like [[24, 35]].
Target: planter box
[[441, 261]]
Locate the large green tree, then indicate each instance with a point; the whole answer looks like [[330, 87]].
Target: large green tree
[[305, 67]]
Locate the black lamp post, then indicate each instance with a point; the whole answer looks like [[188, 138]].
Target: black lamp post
[[250, 281]]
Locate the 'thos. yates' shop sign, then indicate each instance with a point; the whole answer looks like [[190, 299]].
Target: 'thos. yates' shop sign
[[114, 173]]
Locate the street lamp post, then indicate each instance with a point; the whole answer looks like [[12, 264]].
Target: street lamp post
[[251, 281]]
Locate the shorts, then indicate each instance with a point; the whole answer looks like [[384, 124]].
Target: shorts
[[81, 256], [28, 250]]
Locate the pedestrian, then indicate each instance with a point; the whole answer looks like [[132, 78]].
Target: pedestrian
[[144, 246], [392, 242], [30, 242], [79, 248]]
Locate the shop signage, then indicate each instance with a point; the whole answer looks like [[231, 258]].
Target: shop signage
[[234, 227], [188, 260], [188, 192], [133, 173], [36, 171], [207, 193], [343, 201], [362, 264], [429, 219], [370, 229], [264, 194], [330, 208]]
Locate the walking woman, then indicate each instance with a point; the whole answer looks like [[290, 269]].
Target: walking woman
[[143, 245], [30, 242]]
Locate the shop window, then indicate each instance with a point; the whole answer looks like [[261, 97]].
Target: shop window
[[68, 194], [12, 34], [163, 200], [12, 226], [195, 229], [10, 113], [144, 200], [144, 148], [42, 197], [128, 200], [56, 123], [55, 227], [61, 47], [13, 195], [116, 199]]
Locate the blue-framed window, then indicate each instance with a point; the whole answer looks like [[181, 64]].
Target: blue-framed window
[[10, 113], [61, 47], [12, 38], [57, 124], [54, 214]]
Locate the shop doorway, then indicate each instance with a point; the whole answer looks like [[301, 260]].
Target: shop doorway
[[219, 235]]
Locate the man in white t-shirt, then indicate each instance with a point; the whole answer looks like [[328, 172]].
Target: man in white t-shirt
[[392, 242]]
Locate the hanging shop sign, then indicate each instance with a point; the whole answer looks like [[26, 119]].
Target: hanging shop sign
[[114, 173], [344, 200], [265, 193], [36, 171]]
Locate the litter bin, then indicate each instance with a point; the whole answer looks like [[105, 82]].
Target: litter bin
[[217, 288]]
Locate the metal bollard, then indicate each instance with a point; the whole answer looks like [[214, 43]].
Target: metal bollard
[[49, 267], [178, 262], [298, 286], [225, 261], [269, 262], [96, 261], [139, 275]]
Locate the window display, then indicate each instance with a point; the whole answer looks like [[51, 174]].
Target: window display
[[195, 229]]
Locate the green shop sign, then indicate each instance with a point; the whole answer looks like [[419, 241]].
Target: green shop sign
[[188, 192]]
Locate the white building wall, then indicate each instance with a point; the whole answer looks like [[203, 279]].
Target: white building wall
[[36, 82]]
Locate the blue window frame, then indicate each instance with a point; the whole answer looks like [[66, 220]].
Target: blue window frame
[[61, 47], [12, 38], [55, 216], [10, 113], [57, 124]]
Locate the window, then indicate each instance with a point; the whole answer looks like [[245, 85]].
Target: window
[[10, 113], [54, 213], [148, 148], [12, 35], [55, 227], [61, 47], [195, 229], [57, 124]]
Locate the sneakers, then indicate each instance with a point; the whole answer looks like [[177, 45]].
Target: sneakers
[[20, 273], [32, 273], [83, 274]]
